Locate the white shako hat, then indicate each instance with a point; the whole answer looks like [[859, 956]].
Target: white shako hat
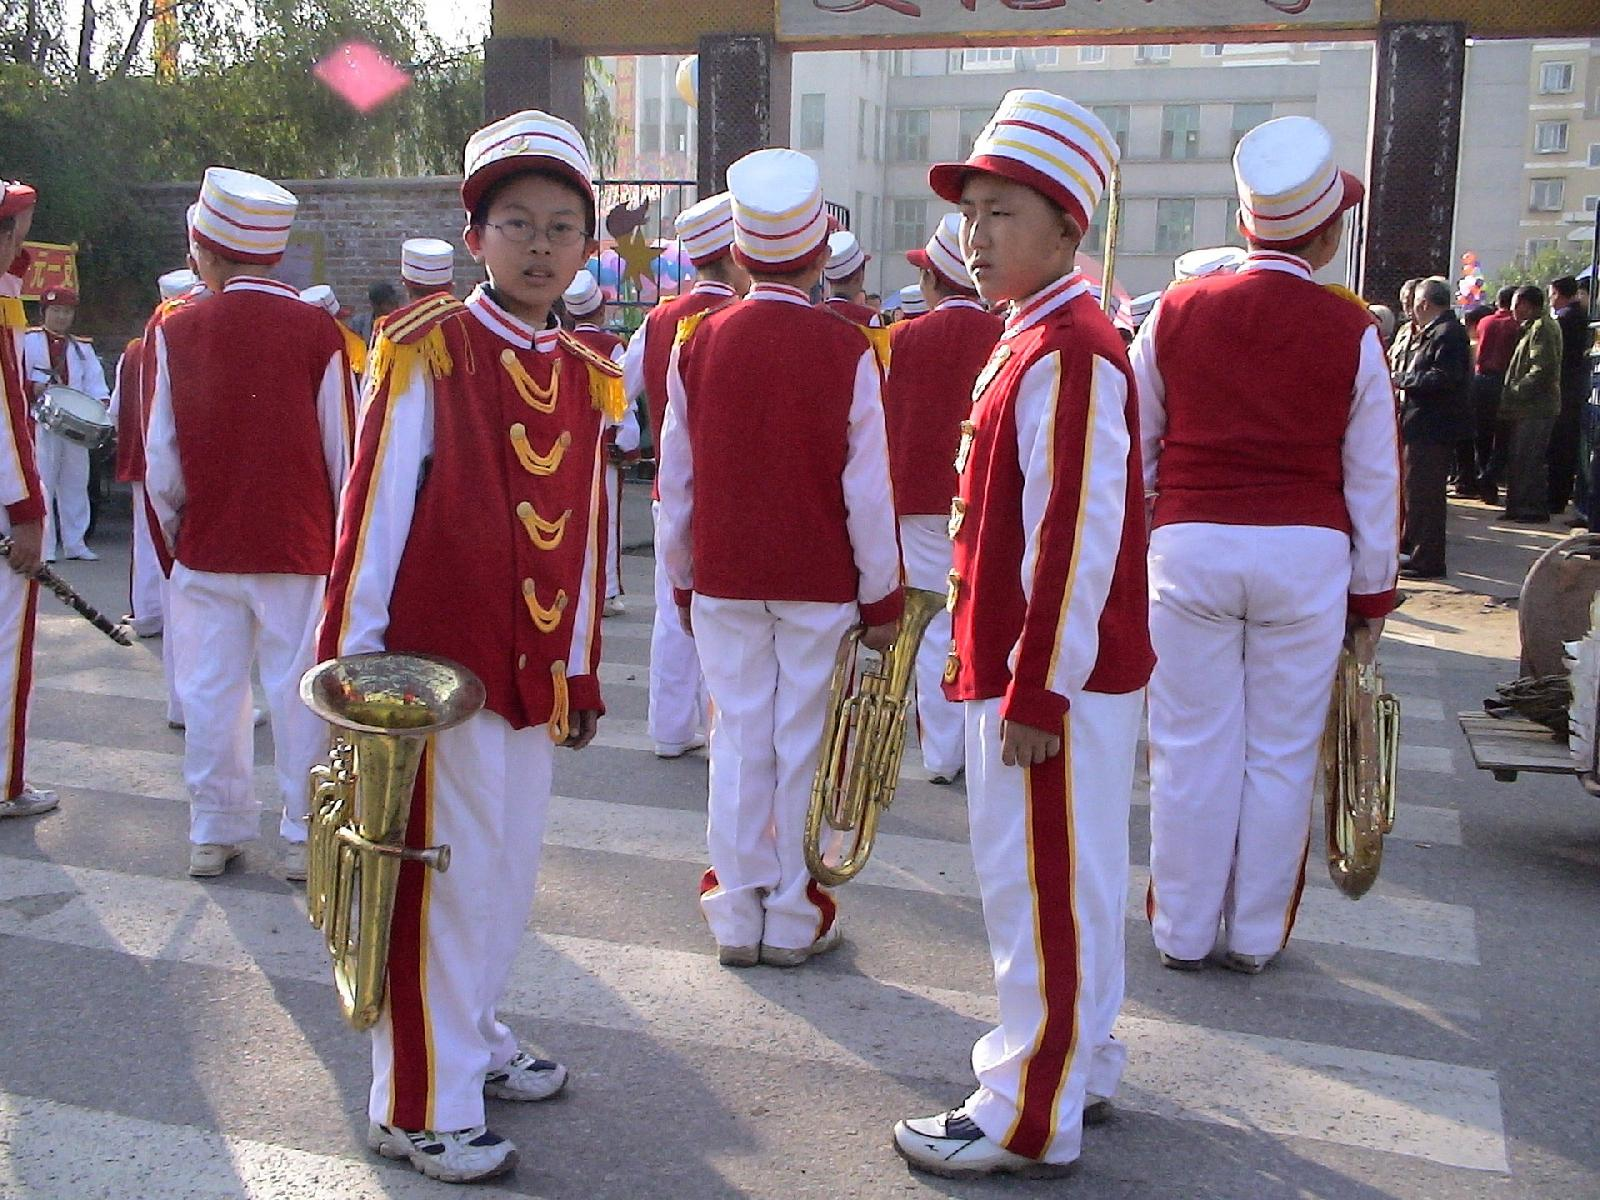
[[1290, 189], [176, 283], [429, 262], [583, 296], [705, 230], [942, 255], [780, 224], [1136, 310], [526, 141], [322, 296], [1047, 142], [243, 217], [845, 256], [912, 302], [1216, 260]]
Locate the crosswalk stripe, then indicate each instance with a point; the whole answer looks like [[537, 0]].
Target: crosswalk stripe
[[54, 1149], [1439, 1111]]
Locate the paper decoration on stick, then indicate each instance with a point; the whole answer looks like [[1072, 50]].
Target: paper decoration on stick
[[361, 75]]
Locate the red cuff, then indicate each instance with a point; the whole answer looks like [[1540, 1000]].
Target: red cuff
[[24, 511], [682, 596], [583, 694], [881, 612], [1036, 708], [1372, 604]]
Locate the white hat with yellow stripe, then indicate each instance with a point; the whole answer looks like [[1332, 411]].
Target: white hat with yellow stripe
[[243, 217], [705, 230], [1044, 141], [942, 255], [780, 224], [428, 262], [583, 296], [845, 256], [1290, 189]]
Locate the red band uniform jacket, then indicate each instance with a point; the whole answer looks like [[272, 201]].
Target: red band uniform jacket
[[20, 492]]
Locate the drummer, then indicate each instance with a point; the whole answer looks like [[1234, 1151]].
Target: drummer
[[53, 355]]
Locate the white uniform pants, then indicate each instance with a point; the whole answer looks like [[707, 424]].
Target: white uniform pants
[[224, 624], [19, 605], [64, 475], [483, 790], [1050, 844], [677, 692], [145, 578], [613, 530], [1247, 622], [941, 727], [767, 665], [169, 640]]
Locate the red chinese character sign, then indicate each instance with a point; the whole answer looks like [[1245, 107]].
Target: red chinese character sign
[[819, 21], [50, 265]]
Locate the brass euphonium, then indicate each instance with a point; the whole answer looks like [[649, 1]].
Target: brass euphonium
[[1360, 764], [387, 707], [863, 739]]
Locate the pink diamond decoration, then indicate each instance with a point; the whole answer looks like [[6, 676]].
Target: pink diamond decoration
[[361, 75]]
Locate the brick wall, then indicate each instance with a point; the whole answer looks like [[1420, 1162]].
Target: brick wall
[[347, 232]]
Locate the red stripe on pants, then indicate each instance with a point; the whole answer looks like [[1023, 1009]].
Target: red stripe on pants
[[408, 1001], [24, 689], [826, 905]]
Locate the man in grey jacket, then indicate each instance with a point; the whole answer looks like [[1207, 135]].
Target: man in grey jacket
[[1530, 402]]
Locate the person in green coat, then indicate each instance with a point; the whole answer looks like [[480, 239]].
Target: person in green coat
[[1530, 402]]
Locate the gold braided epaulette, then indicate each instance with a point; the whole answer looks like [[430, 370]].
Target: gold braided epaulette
[[605, 377], [1344, 293], [409, 325], [689, 324], [412, 335], [12, 314]]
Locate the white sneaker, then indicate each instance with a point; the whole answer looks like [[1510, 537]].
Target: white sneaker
[[525, 1078], [84, 555], [294, 862], [615, 606], [208, 859], [738, 956], [679, 749], [1247, 964], [461, 1156], [782, 956], [951, 1145], [29, 802], [946, 778]]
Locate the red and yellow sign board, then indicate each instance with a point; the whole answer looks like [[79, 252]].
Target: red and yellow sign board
[[51, 265]]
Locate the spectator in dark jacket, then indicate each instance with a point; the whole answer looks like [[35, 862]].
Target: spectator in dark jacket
[[1433, 417], [1567, 440]]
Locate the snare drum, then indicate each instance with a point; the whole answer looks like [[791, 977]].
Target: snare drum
[[71, 414]]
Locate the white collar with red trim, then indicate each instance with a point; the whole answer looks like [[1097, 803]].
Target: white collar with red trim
[[1275, 260], [586, 327], [960, 302], [501, 323], [260, 283], [712, 287], [1028, 312], [778, 291]]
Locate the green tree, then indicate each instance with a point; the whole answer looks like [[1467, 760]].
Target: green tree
[[1548, 264]]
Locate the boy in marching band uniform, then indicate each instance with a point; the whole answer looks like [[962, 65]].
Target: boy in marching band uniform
[[427, 265], [472, 528], [846, 273], [926, 400], [1051, 650], [777, 519], [586, 306], [248, 520], [677, 690], [23, 517]]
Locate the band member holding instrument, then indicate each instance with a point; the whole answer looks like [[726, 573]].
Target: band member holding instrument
[[52, 353], [247, 446], [925, 401], [1276, 527], [1051, 650], [472, 528], [586, 306], [777, 519], [23, 518]]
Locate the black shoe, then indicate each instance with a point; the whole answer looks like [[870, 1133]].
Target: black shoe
[[1525, 518], [1418, 573], [1578, 522], [1490, 495]]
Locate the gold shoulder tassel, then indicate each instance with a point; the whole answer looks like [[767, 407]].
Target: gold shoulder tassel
[[12, 314], [392, 359], [605, 392], [560, 707]]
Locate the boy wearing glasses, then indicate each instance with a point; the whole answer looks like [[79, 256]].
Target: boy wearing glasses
[[472, 529]]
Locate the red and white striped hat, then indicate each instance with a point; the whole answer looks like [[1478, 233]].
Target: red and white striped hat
[[1047, 142], [320, 295], [705, 230], [912, 302], [1214, 260], [15, 197], [780, 224], [583, 296], [1290, 189], [942, 255], [526, 141], [175, 283], [242, 217], [845, 256], [428, 262]]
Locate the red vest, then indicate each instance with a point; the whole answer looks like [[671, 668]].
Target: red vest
[[17, 402], [927, 396], [245, 368], [851, 311], [1259, 371], [661, 328], [130, 415], [988, 621], [770, 385]]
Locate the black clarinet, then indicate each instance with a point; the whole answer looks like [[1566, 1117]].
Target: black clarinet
[[117, 632]]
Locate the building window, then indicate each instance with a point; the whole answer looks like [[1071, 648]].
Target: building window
[[874, 231], [650, 125], [1174, 226], [1555, 78], [909, 142], [1591, 203], [1246, 117], [1537, 246], [1094, 238], [1115, 118], [863, 148], [677, 139], [1088, 55], [1180, 131], [1153, 54], [910, 219], [1211, 50], [813, 120], [972, 121], [1550, 137], [1047, 56], [1594, 154], [1231, 234], [877, 133], [988, 58], [1546, 195]]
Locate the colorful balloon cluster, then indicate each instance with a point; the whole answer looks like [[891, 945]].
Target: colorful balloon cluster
[[1469, 289], [670, 275]]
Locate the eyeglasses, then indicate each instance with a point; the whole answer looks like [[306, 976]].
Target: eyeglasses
[[520, 233]]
